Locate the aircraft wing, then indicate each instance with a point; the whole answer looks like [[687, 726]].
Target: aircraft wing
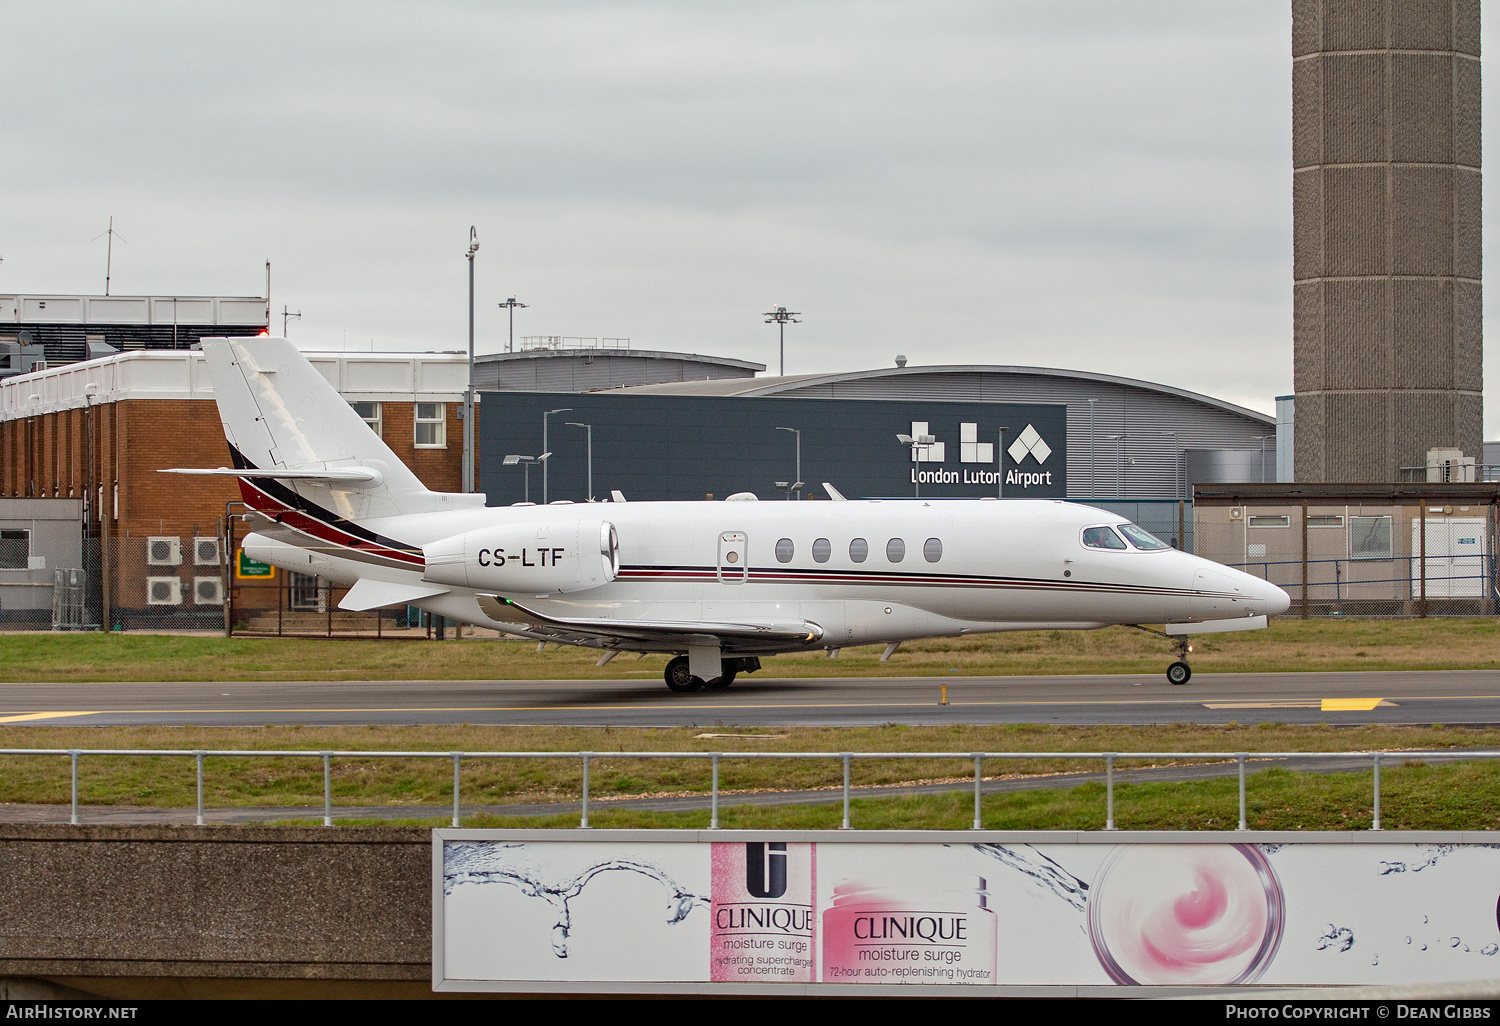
[[652, 632]]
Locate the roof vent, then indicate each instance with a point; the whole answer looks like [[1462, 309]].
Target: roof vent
[[900, 361]]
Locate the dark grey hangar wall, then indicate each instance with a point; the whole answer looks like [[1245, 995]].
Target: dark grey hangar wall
[[688, 447]]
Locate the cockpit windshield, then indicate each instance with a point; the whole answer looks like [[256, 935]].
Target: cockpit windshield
[[1142, 539], [1101, 538]]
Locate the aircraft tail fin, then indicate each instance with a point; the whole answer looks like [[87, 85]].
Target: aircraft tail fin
[[282, 417]]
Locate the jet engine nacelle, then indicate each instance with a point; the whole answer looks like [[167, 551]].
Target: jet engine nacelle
[[534, 559]]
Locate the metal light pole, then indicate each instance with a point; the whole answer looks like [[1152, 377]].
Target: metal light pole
[[1262, 440], [526, 462], [780, 317], [510, 305], [1120, 471], [917, 444], [796, 482], [565, 409], [1092, 491], [1000, 465], [590, 430], [468, 483], [286, 315], [91, 561]]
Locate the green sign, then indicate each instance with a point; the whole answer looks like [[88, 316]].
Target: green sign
[[247, 568]]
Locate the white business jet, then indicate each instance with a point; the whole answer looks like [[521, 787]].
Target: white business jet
[[716, 584]]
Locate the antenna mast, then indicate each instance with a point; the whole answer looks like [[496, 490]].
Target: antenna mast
[[109, 252]]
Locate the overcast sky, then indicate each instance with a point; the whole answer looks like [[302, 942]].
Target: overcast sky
[[1094, 185]]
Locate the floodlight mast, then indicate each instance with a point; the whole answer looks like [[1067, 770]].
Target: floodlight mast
[[510, 305], [780, 317]]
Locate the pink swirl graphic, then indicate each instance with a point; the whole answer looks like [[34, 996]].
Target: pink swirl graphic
[[1185, 914]]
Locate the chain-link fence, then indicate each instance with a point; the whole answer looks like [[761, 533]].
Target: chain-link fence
[[1361, 559]]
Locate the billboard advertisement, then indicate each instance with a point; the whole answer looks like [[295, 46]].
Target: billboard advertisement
[[809, 911]]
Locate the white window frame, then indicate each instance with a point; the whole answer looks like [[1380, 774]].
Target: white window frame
[[440, 423], [377, 422]]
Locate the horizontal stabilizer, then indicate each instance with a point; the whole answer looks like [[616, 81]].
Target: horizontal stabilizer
[[653, 631], [371, 594], [358, 476], [1244, 623]]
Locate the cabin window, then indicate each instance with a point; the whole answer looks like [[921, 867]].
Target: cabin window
[[895, 550], [432, 426], [1101, 538], [785, 550], [1142, 539], [859, 550], [15, 550], [822, 549], [932, 550], [370, 414]]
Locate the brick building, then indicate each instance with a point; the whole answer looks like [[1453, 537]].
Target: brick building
[[140, 412]]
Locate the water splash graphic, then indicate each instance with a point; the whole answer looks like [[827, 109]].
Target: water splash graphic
[[1429, 857], [483, 862], [1044, 873], [1337, 936]]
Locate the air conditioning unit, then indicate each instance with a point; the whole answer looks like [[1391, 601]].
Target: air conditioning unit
[[206, 552], [208, 591], [164, 591], [164, 551]]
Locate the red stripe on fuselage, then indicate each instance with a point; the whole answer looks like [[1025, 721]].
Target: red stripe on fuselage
[[298, 520]]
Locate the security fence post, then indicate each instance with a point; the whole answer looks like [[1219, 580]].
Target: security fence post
[[1376, 824], [73, 757], [845, 825], [713, 815], [1242, 791], [199, 759], [978, 761], [583, 824], [327, 790], [1109, 792], [456, 756]]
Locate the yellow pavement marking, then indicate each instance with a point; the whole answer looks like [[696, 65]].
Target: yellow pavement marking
[[21, 717], [1321, 704], [1352, 704], [1326, 705]]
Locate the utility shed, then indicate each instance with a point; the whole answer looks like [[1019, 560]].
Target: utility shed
[[37, 536]]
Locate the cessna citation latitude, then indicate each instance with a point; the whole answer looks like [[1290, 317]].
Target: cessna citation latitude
[[717, 585]]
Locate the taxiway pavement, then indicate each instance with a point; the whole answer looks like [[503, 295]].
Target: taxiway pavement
[[1399, 697]]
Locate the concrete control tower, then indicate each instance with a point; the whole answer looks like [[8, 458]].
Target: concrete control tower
[[1386, 235]]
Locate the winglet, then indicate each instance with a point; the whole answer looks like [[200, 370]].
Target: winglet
[[834, 493]]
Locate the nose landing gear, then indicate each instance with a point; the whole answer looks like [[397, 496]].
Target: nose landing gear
[[1179, 672]]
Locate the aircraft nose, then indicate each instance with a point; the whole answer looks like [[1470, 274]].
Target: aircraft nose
[[1276, 601]]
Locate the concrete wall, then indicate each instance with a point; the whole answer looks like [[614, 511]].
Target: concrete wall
[[1386, 234], [124, 903]]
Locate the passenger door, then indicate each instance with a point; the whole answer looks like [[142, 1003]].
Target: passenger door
[[734, 554]]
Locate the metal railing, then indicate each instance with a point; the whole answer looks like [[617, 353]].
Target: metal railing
[[1485, 584], [1242, 759]]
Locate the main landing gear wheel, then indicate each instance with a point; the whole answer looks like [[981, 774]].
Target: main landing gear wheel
[[679, 677], [1179, 673], [721, 682]]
